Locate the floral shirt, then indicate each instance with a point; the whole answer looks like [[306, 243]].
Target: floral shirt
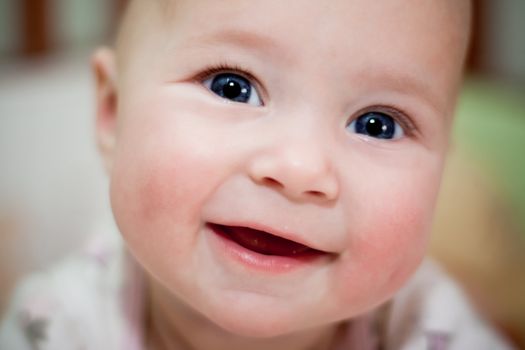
[[94, 300]]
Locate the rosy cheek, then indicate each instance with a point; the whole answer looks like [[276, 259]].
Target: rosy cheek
[[149, 207], [161, 188], [154, 193], [140, 192], [164, 172], [389, 246]]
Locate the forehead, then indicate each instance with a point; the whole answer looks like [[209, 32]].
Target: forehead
[[343, 22], [314, 20], [375, 39], [332, 25], [334, 16]]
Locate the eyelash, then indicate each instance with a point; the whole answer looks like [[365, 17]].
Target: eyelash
[[229, 68], [396, 113], [409, 127]]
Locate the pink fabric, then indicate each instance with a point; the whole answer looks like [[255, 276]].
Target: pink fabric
[[96, 301]]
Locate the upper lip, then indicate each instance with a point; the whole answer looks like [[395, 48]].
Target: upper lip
[[289, 235]]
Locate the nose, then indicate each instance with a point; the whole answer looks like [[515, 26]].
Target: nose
[[299, 170]]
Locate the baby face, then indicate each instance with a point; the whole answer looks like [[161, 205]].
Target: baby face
[[273, 164]]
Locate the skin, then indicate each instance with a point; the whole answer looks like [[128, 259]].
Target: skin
[[180, 156]]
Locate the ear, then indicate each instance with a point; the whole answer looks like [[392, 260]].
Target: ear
[[104, 69]]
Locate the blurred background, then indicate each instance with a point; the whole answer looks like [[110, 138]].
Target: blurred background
[[53, 190]]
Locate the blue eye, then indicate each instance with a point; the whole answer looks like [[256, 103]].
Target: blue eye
[[377, 125], [233, 87]]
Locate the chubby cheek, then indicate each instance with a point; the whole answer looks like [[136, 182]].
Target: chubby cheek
[[161, 176], [389, 236]]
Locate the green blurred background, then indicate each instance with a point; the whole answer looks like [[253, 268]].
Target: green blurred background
[[479, 231]]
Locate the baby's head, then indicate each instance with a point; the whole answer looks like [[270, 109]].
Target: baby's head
[[274, 164]]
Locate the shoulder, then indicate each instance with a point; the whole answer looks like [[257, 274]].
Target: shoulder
[[69, 305], [432, 312]]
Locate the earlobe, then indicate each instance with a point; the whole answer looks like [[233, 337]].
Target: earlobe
[[104, 70]]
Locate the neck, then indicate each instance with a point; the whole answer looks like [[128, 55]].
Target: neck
[[173, 325]]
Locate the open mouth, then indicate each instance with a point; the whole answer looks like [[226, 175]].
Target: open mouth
[[263, 242]]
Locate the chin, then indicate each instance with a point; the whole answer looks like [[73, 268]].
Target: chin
[[255, 324]]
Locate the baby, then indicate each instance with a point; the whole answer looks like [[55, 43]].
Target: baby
[[274, 167]]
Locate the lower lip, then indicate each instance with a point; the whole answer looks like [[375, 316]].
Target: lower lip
[[268, 263]]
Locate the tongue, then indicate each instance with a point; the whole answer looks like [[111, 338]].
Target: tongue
[[265, 243]]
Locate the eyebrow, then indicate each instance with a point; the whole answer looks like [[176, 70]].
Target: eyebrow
[[244, 39], [406, 83], [241, 37]]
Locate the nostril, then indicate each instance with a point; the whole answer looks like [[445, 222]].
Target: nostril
[[317, 194], [272, 182]]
